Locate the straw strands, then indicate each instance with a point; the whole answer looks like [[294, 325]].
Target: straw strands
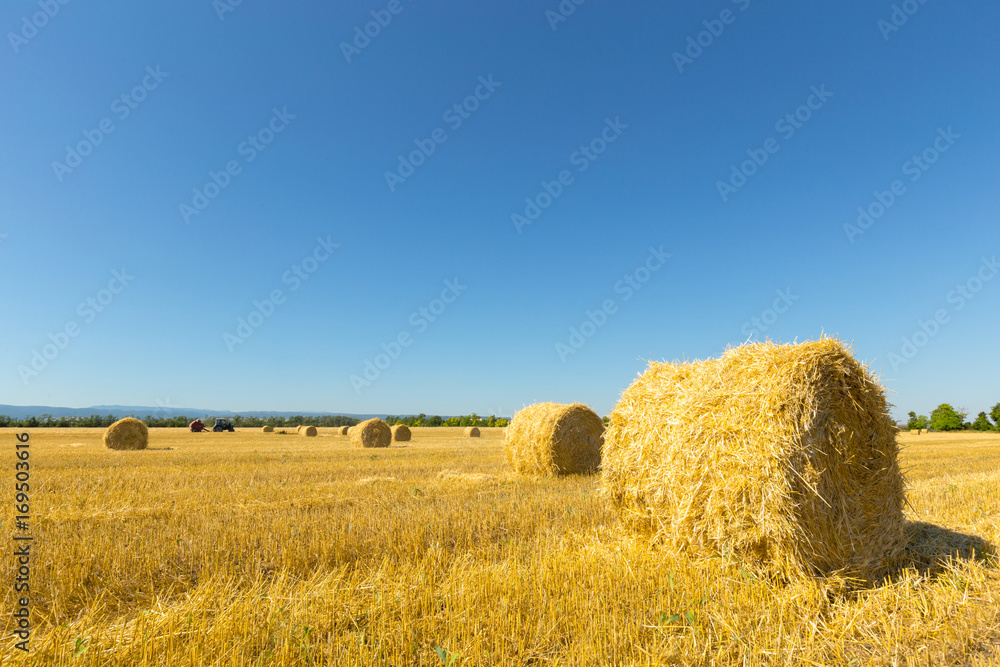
[[128, 433], [371, 433], [554, 439], [783, 455]]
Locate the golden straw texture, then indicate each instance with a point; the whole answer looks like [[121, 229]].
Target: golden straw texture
[[401, 433], [128, 433], [308, 431], [371, 433], [784, 455], [472, 432], [554, 439], [268, 429]]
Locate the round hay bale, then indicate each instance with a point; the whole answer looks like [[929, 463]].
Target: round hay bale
[[268, 428], [128, 433], [343, 430], [401, 433], [914, 431], [554, 439], [471, 432], [782, 455], [308, 431], [371, 433]]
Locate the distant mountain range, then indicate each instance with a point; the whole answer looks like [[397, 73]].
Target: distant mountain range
[[119, 411]]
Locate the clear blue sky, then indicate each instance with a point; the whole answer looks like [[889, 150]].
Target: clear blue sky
[[329, 121]]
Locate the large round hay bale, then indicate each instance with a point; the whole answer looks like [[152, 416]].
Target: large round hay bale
[[783, 455], [308, 431], [471, 432], [554, 439], [343, 430], [371, 433], [128, 433], [267, 428], [401, 433]]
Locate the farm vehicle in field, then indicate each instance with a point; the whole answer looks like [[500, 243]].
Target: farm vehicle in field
[[198, 426]]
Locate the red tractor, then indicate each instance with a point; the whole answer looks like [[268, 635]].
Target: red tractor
[[197, 426]]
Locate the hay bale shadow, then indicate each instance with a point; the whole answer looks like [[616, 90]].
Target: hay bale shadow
[[159, 449], [930, 549]]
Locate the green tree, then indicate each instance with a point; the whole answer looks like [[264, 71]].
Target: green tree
[[946, 418], [995, 413], [916, 421], [982, 423]]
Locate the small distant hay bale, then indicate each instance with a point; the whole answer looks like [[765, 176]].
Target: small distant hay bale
[[401, 433], [267, 428], [554, 439], [472, 432], [128, 433], [922, 431], [914, 431], [308, 431], [343, 430], [781, 455], [371, 433]]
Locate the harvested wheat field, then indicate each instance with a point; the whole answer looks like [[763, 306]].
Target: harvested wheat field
[[250, 548]]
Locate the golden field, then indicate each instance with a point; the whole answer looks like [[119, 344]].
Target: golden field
[[253, 548]]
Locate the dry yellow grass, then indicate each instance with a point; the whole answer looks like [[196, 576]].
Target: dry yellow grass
[[249, 549]]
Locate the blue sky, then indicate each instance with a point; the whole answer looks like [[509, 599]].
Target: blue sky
[[248, 154]]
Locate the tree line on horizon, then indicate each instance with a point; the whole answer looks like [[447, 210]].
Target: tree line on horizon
[[946, 418], [437, 420], [47, 420]]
